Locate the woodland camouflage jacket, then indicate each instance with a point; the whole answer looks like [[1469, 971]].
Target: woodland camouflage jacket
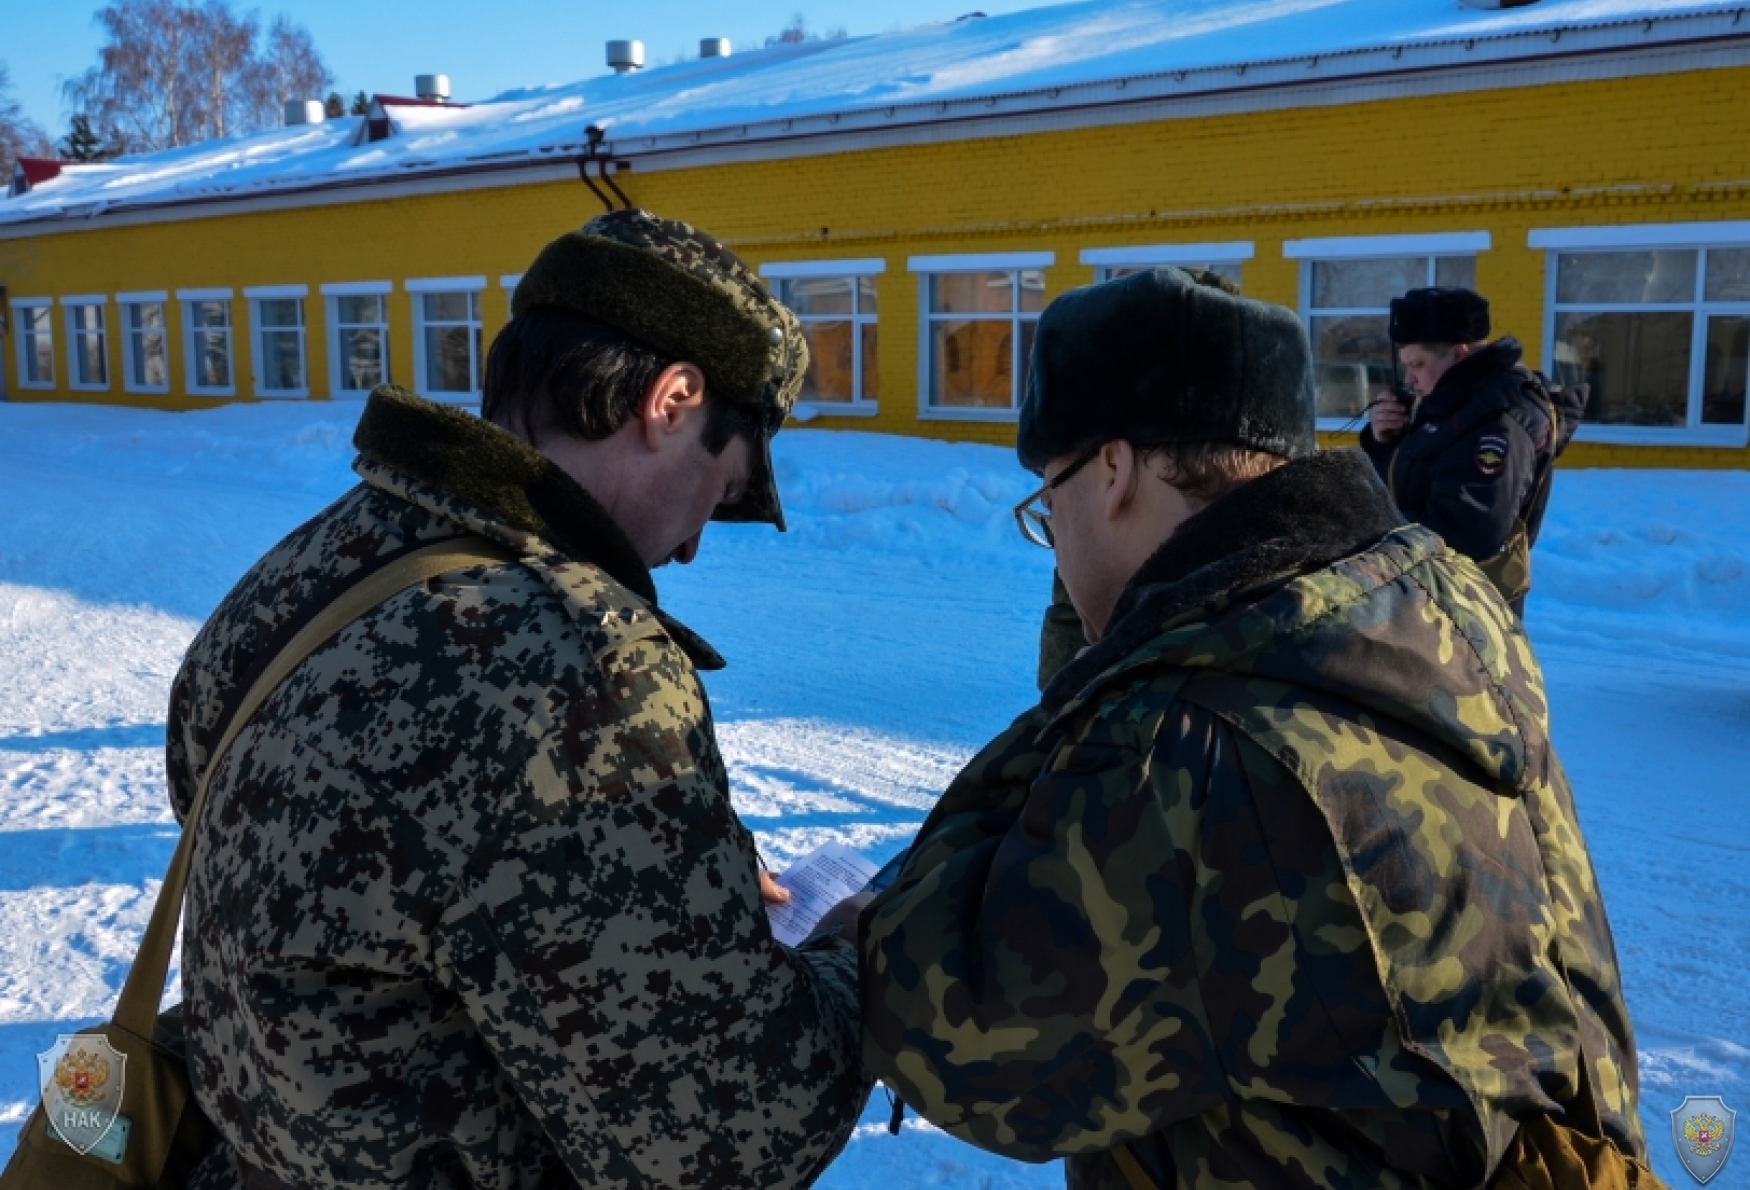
[[469, 904], [1278, 881]]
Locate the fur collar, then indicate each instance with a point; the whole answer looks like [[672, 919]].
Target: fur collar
[[475, 461], [1299, 518], [1472, 374]]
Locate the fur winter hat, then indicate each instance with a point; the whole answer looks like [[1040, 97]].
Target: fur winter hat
[[1439, 315], [679, 291], [1163, 356]]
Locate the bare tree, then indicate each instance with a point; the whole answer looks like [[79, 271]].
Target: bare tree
[[176, 72], [288, 67], [19, 136], [797, 32]]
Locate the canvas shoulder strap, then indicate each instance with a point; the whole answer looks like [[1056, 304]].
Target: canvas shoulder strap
[[137, 1008]]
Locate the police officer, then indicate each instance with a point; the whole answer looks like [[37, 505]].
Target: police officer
[[1468, 451]]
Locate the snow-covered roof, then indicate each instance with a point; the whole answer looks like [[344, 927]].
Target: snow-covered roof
[[1039, 60]]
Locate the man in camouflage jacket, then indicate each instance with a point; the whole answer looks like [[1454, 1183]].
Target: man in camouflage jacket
[[1281, 884], [469, 904]]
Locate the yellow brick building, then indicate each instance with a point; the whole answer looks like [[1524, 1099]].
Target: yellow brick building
[[1591, 176]]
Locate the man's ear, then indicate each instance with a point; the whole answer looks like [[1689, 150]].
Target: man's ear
[[677, 393], [1119, 467]]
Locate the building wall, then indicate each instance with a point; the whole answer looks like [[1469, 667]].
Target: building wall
[[1655, 149]]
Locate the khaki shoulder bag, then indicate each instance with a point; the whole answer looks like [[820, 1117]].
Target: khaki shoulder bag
[[159, 1132]]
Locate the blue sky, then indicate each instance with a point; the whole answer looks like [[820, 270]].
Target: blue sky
[[379, 46]]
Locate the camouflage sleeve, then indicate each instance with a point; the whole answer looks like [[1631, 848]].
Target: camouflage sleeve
[[1029, 982], [611, 947]]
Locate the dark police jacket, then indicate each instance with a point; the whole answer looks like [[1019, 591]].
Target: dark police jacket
[[1469, 463]]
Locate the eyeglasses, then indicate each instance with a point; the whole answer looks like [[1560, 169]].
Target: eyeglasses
[[1035, 522]]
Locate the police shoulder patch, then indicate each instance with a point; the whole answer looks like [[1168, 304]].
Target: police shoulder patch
[[1491, 454]]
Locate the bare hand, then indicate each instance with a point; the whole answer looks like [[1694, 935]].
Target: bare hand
[[842, 917], [771, 892], [1388, 418]]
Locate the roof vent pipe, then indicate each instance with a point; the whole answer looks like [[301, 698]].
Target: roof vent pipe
[[714, 47], [435, 87], [626, 56], [303, 111]]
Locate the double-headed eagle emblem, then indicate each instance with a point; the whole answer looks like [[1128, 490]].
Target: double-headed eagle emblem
[[82, 1075]]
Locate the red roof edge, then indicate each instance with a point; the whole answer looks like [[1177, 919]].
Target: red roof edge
[[38, 169], [404, 101]]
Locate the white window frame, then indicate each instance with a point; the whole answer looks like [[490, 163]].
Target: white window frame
[[856, 270], [1432, 246], [124, 302], [418, 289], [1650, 237], [927, 267], [256, 294], [1145, 256], [22, 338], [85, 301], [331, 293], [188, 298]]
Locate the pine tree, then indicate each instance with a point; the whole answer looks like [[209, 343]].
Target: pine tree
[[361, 104], [334, 106], [83, 144]]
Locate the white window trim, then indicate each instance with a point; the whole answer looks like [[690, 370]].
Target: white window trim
[[446, 284], [256, 292], [188, 297], [336, 390], [981, 262], [786, 270], [806, 411], [142, 298], [510, 280], [68, 305], [356, 288], [1455, 243], [1142, 255], [416, 289], [19, 336], [1693, 432], [994, 262], [257, 356], [1644, 236]]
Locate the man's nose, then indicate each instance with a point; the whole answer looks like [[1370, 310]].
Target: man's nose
[[688, 549]]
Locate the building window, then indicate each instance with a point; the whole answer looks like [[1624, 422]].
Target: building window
[[1225, 260], [87, 343], [206, 321], [145, 350], [447, 337], [36, 342], [358, 344], [1662, 335], [836, 303], [1346, 288], [276, 320], [979, 315]]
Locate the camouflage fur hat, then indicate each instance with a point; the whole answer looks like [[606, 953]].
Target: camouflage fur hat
[[679, 291]]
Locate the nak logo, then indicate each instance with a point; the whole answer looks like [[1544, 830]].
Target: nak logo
[[81, 1077], [1702, 1130]]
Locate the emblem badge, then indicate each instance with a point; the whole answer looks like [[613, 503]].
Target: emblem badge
[[81, 1077], [1702, 1131], [1491, 454]]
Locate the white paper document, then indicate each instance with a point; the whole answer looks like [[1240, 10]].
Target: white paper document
[[817, 882]]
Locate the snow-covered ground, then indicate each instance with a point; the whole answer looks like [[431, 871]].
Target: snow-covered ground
[[872, 648]]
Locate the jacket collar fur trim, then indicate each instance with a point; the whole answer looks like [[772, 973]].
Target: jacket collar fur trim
[[1299, 518], [509, 481]]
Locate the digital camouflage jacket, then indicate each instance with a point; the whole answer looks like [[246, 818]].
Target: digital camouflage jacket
[[469, 904], [1281, 884]]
